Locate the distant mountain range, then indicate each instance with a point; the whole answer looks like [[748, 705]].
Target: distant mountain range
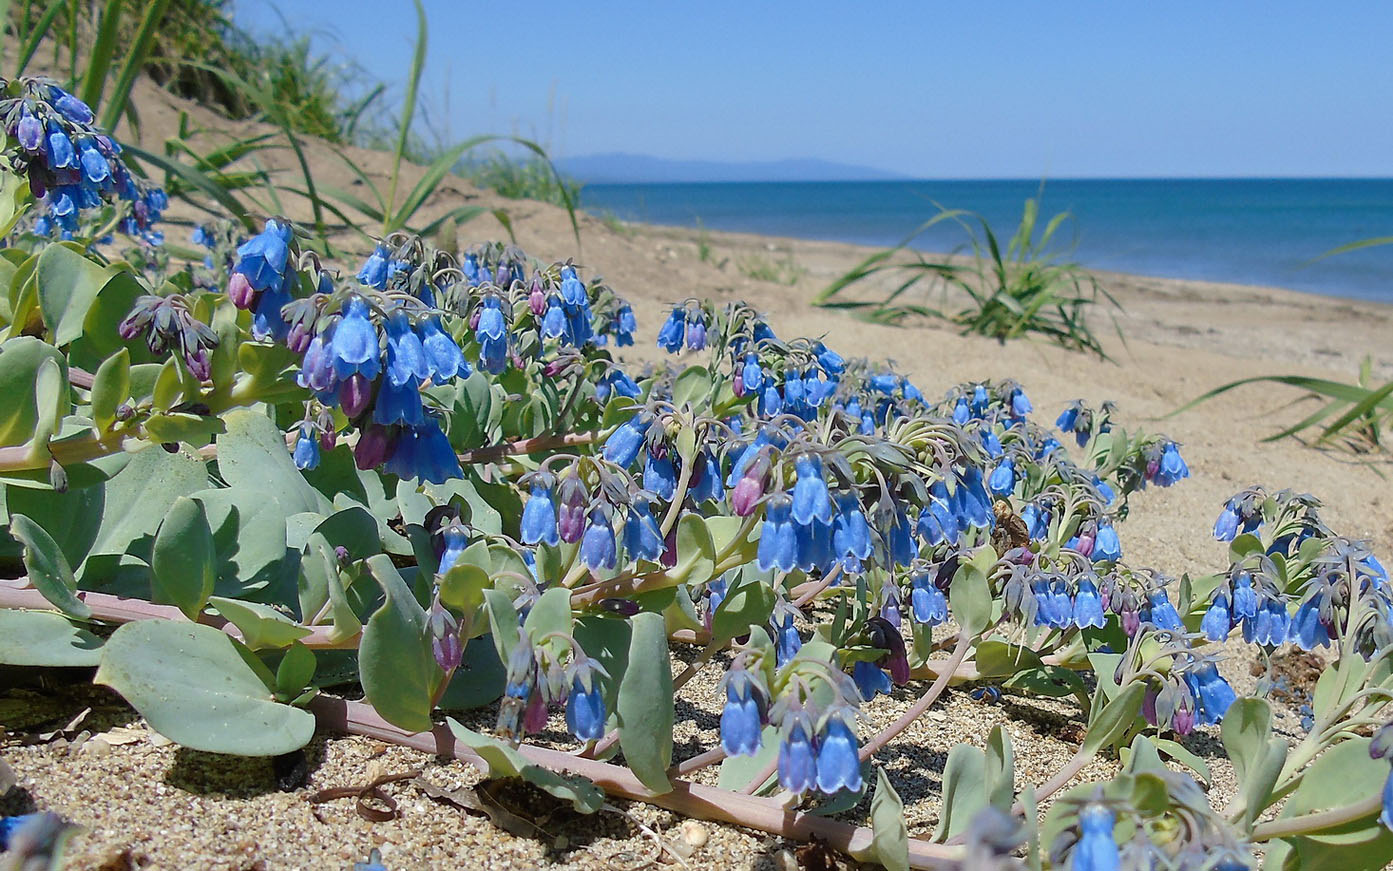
[[618, 168]]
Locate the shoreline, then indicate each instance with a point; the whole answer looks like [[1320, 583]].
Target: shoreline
[[603, 215]]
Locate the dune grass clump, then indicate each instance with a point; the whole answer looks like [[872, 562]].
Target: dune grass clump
[[1026, 288]]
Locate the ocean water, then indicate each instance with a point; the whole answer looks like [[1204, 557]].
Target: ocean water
[[1245, 231]]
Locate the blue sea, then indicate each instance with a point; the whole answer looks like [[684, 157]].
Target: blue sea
[[1245, 231]]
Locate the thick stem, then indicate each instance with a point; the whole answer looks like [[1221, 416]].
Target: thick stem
[[115, 609], [688, 799], [1319, 821]]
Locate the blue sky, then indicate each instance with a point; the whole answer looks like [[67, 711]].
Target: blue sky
[[936, 90]]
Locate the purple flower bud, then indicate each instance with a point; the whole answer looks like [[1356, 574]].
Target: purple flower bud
[[737, 385], [199, 364], [534, 719], [131, 326], [298, 339], [354, 394], [240, 291], [1184, 720], [30, 132], [341, 554], [373, 448], [1130, 621], [537, 299]]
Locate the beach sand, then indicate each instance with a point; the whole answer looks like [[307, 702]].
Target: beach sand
[[146, 805]]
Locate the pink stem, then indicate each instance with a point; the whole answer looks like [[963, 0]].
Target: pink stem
[[688, 799], [925, 701], [116, 609]]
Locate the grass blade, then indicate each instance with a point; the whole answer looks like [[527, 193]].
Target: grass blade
[[135, 62], [408, 109], [31, 45], [196, 180], [99, 64]]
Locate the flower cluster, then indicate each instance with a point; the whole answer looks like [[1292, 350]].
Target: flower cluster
[[169, 325], [818, 748], [71, 165], [538, 677]]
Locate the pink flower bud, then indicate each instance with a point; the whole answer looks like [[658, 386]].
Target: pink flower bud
[[298, 340], [240, 291], [746, 494], [199, 364], [537, 300]]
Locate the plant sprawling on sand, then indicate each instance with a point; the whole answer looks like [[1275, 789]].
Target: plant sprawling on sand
[[227, 479]]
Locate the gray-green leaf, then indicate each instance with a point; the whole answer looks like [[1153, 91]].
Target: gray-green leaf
[[195, 687], [645, 703]]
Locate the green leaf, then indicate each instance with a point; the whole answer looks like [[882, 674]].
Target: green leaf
[[503, 622], [1246, 728], [296, 670], [111, 386], [964, 790], [183, 559], [253, 455], [180, 426], [1150, 795], [261, 625], [645, 704], [140, 496], [690, 386], [399, 673], [890, 836], [68, 283], [1001, 769], [137, 51], [321, 584], [72, 518], [1335, 685], [46, 639], [1182, 754], [463, 586], [195, 687], [1115, 718], [971, 598], [1341, 775], [550, 616], [20, 363], [696, 552], [354, 529], [997, 659], [504, 761], [48, 569], [249, 530], [748, 604]]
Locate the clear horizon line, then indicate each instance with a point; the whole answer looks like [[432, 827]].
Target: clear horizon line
[[1023, 178]]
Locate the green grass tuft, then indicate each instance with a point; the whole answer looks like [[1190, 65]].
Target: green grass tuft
[[1025, 288]]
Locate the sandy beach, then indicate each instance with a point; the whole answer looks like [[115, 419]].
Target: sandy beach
[[150, 805]]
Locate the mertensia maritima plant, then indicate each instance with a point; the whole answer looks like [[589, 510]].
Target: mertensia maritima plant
[[228, 481]]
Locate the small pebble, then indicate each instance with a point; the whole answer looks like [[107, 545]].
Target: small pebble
[[784, 860], [97, 747], [694, 833]]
